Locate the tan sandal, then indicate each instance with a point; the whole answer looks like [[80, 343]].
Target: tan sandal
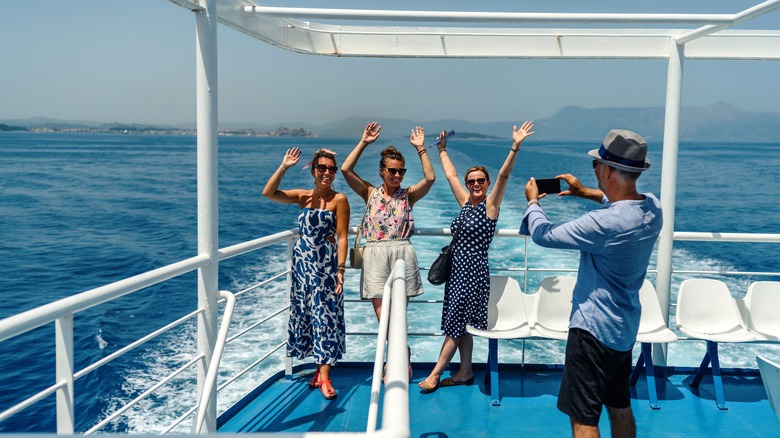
[[427, 388]]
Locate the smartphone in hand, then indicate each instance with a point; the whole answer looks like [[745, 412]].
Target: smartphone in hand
[[549, 185]]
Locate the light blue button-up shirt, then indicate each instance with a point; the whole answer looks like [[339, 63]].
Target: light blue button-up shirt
[[615, 244]]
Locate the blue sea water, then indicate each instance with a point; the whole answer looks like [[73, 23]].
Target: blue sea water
[[80, 211]]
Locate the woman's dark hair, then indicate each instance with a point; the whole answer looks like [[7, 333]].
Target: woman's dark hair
[[390, 153], [474, 169], [322, 152]]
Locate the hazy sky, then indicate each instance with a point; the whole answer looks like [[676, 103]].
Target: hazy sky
[[133, 61]]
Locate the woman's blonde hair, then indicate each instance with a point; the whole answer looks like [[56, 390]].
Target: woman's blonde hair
[[474, 169]]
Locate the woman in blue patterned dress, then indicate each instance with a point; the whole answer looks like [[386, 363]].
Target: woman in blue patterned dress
[[316, 325], [466, 293]]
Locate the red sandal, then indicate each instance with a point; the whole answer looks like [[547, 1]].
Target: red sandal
[[326, 388], [315, 381]]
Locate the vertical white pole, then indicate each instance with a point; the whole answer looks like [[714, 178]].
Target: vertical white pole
[[208, 239], [63, 341], [669, 184]]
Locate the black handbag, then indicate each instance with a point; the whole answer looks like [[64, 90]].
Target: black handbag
[[441, 267], [439, 273]]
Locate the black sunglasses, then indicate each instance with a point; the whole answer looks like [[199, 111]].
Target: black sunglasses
[[595, 163], [471, 182], [394, 171], [323, 168]]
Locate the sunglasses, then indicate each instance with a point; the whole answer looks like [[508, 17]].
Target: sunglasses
[[595, 163], [471, 182], [323, 168], [394, 171]]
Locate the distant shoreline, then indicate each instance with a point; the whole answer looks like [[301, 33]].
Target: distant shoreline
[[280, 132]]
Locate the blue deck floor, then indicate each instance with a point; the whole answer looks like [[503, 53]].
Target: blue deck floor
[[527, 399]]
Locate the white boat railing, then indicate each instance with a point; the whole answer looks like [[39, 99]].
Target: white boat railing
[[61, 313]]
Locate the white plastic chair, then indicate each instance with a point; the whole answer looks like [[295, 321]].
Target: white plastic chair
[[762, 304], [706, 310], [652, 330], [770, 375], [507, 319], [550, 317]]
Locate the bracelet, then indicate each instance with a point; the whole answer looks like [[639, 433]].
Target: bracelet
[[421, 152], [533, 201], [514, 150], [341, 268], [442, 150]]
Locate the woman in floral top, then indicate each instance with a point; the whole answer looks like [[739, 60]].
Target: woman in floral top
[[388, 221]]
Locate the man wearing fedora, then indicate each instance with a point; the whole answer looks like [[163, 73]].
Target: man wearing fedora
[[615, 242]]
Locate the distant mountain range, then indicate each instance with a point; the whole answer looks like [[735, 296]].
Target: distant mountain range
[[718, 122]]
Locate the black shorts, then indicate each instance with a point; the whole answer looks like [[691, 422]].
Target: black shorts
[[593, 375]]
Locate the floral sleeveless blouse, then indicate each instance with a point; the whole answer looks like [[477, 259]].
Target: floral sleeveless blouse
[[388, 219]]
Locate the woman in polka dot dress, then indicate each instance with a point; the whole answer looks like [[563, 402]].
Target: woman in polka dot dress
[[466, 293]]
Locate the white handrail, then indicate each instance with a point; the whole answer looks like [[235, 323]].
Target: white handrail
[[34, 318], [245, 247], [714, 236], [219, 347], [376, 379], [395, 407], [395, 411]]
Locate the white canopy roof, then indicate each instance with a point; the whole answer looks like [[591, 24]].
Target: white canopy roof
[[396, 33]]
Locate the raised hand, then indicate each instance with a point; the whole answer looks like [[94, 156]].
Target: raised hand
[[575, 186], [371, 133], [577, 189], [532, 190], [291, 157], [518, 135], [417, 139], [442, 141]]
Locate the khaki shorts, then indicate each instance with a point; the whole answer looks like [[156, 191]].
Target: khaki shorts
[[378, 259]]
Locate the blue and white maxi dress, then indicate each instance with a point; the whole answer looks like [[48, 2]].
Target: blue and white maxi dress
[[316, 325]]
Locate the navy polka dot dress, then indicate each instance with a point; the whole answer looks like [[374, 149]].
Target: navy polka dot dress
[[466, 294]]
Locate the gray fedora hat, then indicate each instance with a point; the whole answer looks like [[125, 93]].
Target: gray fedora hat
[[623, 150]]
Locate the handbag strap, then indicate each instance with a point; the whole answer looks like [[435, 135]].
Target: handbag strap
[[359, 236], [455, 236]]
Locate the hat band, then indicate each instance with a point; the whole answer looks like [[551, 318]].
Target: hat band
[[607, 155]]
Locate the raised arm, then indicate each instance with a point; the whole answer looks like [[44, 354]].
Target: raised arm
[[419, 190], [271, 190], [460, 192], [356, 183], [342, 226], [497, 194]]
